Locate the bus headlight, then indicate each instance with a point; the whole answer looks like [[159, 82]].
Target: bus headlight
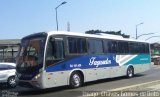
[[37, 76]]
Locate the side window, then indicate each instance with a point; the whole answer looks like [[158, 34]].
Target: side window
[[58, 50], [95, 46], [147, 48], [77, 45], [126, 47], [112, 47], [98, 46], [54, 51], [123, 47], [3, 67], [11, 67], [136, 48], [131, 48], [106, 46], [109, 43], [91, 47]]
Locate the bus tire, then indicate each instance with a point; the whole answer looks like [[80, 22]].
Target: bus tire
[[130, 72], [76, 80], [11, 82]]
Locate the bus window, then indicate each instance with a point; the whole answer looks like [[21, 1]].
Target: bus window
[[55, 51], [106, 47], [77, 45], [112, 46], [95, 46], [146, 48]]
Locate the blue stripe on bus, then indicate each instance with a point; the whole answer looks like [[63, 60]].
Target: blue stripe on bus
[[87, 62]]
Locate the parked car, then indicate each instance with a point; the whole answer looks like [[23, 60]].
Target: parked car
[[156, 60], [7, 74]]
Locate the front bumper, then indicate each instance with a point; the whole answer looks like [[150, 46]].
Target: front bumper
[[3, 79], [24, 84], [28, 84]]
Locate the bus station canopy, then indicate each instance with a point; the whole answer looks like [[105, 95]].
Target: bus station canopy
[[9, 43]]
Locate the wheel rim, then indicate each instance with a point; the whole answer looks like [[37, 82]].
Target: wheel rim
[[130, 72], [76, 80], [12, 82]]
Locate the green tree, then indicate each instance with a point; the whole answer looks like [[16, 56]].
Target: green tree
[[108, 32]]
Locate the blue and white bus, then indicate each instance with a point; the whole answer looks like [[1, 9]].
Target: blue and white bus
[[57, 58]]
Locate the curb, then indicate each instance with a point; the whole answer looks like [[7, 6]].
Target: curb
[[137, 86], [123, 89]]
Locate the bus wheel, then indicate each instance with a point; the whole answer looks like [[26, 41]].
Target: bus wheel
[[130, 72], [11, 82], [75, 80]]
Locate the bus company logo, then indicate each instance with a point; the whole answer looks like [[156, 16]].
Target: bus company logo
[[97, 63]]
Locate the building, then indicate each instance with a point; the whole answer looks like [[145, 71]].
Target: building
[[9, 49]]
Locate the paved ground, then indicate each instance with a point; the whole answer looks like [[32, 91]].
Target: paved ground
[[100, 86]]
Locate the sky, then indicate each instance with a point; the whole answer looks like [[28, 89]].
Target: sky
[[19, 18]]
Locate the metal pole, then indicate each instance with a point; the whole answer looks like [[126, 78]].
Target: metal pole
[[56, 13], [136, 28], [136, 31], [3, 55], [56, 18]]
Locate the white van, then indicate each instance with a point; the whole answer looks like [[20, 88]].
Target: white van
[[7, 74]]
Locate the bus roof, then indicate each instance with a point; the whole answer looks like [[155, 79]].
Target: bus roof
[[99, 35]]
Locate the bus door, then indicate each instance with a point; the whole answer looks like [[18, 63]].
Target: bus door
[[55, 75]]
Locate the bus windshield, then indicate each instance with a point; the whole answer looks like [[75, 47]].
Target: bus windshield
[[31, 54]]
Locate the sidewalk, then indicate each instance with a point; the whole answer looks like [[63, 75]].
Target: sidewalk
[[149, 89], [154, 66], [154, 85], [154, 88]]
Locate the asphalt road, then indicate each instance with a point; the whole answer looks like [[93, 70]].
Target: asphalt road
[[101, 85]]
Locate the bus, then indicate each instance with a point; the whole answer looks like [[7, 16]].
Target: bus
[[59, 58]]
